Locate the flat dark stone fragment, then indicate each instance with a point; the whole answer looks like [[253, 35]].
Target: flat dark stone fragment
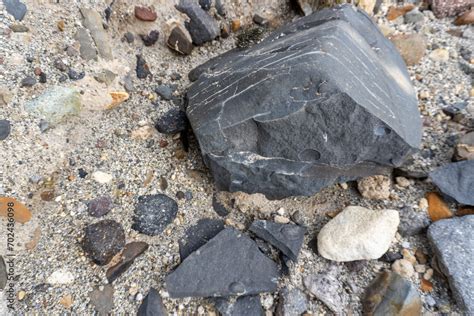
[[100, 206], [103, 240], [202, 27], [456, 180], [229, 264], [288, 238], [152, 305], [5, 129], [324, 99], [245, 305], [130, 252], [153, 213], [199, 234], [219, 207], [16, 8], [453, 244], [172, 122]]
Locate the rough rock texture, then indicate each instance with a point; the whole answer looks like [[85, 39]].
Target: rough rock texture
[[202, 27], [465, 148], [93, 22], [199, 234], [128, 255], [456, 180], [291, 302], [390, 294], [179, 40], [375, 187], [335, 64], [288, 238], [103, 240], [412, 222], [358, 233], [152, 305], [100, 206], [172, 122], [153, 213], [412, 47], [327, 288], [229, 264], [453, 244], [443, 8], [246, 305], [16, 8]]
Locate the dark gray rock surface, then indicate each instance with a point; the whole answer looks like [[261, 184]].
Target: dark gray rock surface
[[152, 305], [291, 302], [245, 305], [153, 213], [103, 240], [172, 122], [202, 27], [5, 129], [412, 222], [453, 244], [130, 252], [15, 8], [324, 99], [229, 264], [456, 180], [198, 235], [288, 238]]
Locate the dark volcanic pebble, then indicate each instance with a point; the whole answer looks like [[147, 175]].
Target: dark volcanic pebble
[[245, 305], [100, 206], [152, 305], [179, 41], [153, 213], [129, 253], [291, 302], [151, 38], [219, 207], [456, 180], [164, 91], [172, 122], [129, 37], [28, 81], [5, 129], [142, 69], [43, 78], [205, 4], [202, 27], [198, 235], [103, 240], [74, 75], [229, 264]]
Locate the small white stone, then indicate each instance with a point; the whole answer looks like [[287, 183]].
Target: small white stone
[[102, 177], [403, 267], [420, 268], [428, 274], [358, 233], [61, 276], [281, 219]]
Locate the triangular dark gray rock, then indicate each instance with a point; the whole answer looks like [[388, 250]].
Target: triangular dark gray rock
[[245, 305], [199, 234], [288, 238], [456, 180], [229, 264], [324, 99], [152, 305]]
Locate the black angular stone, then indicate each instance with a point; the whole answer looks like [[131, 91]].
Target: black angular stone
[[202, 27], [198, 235], [5, 129], [142, 68], [172, 122], [291, 302], [218, 207], [229, 264], [456, 180], [324, 99], [75, 75], [288, 238], [103, 240], [152, 305], [130, 252], [151, 38], [153, 213], [245, 305], [28, 81], [205, 4]]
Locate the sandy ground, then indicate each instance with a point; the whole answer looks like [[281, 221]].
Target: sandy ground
[[99, 140]]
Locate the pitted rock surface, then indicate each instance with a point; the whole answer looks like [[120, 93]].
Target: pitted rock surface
[[324, 99]]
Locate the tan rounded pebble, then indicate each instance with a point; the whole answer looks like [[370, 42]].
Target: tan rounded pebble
[[420, 268], [403, 267], [428, 274], [408, 256]]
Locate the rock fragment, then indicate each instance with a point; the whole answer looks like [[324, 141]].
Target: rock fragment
[[456, 180], [452, 242], [164, 91], [245, 305], [172, 122], [180, 41], [412, 47], [390, 294], [219, 207], [465, 148], [229, 264], [145, 13], [21, 213], [5, 129], [245, 122], [103, 240], [86, 48], [443, 8], [288, 238], [152, 305], [202, 27], [150, 38], [326, 288], [437, 208], [374, 187], [142, 69], [358, 233], [102, 300], [93, 22], [130, 252], [100, 206], [412, 222], [198, 235], [466, 18], [291, 302], [28, 81], [16, 8], [55, 104], [153, 213]]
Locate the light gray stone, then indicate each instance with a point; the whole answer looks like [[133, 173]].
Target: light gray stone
[[93, 22], [453, 244], [324, 99]]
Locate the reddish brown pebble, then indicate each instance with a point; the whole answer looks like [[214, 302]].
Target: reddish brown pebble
[[465, 18], [465, 210], [47, 195], [235, 25], [38, 71], [395, 12], [145, 14], [437, 208], [163, 143], [426, 286]]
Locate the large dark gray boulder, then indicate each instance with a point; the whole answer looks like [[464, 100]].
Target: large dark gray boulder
[[324, 99], [453, 244]]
